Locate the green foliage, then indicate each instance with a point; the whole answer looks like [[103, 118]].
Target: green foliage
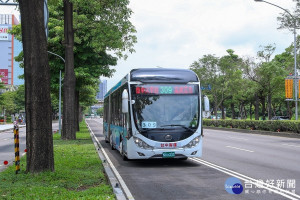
[[103, 33], [238, 83], [100, 111], [99, 27], [208, 71], [265, 125], [20, 98], [223, 75], [78, 174], [14, 101], [9, 103]]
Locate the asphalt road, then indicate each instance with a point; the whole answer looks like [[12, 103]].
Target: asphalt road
[[259, 156], [7, 147], [271, 159]]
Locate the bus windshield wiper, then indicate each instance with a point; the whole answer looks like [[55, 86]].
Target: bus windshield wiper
[[151, 129], [187, 128]]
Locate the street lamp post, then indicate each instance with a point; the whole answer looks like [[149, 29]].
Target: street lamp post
[[59, 104], [295, 56]]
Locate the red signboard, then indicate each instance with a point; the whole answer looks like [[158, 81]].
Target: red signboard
[[4, 76], [4, 29], [3, 32]]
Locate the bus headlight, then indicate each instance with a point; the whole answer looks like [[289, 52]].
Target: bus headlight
[[140, 143], [193, 143]]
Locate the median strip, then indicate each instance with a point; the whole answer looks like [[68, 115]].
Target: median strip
[[78, 174], [112, 173]]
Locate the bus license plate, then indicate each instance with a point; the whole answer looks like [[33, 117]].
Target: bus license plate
[[168, 154]]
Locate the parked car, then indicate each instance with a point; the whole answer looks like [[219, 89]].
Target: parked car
[[215, 117], [280, 118]]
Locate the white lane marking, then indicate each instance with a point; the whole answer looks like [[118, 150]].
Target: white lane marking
[[247, 179], [240, 149], [5, 139], [291, 145], [238, 138], [97, 121], [115, 171]]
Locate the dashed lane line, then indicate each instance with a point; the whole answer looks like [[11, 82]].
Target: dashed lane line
[[240, 149], [291, 145], [238, 138]]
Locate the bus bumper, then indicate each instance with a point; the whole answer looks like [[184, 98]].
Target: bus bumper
[[135, 152]]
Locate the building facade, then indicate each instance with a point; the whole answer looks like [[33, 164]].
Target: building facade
[[102, 90], [9, 48]]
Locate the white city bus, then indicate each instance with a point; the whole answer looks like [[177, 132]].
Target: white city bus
[[155, 113]]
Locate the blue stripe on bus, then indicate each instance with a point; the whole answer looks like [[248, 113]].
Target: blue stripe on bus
[[116, 132], [120, 83]]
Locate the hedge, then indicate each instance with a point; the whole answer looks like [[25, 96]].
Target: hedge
[[266, 125]]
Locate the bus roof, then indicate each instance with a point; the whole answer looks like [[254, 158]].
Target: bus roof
[[163, 75], [157, 75]]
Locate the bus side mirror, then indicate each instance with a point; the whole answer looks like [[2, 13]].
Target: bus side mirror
[[125, 101], [206, 104]]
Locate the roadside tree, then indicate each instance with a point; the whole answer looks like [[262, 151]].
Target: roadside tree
[[208, 71], [99, 27], [39, 141]]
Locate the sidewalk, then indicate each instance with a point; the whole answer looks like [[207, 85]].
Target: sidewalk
[[9, 126]]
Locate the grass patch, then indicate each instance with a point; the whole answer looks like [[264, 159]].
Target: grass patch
[[78, 174]]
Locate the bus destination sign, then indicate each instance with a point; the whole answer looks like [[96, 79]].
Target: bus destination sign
[[165, 89]]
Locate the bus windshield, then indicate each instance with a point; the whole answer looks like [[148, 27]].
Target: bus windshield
[[159, 107]]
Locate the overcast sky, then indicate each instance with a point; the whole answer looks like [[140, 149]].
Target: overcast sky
[[175, 33]]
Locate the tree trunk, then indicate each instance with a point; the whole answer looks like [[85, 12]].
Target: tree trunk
[[245, 112], [77, 111], [250, 111], [256, 107], [215, 107], [39, 140], [263, 103], [232, 111], [288, 108], [241, 110], [69, 128], [269, 106], [222, 108]]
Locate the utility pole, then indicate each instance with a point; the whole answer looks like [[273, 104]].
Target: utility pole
[[59, 106], [296, 79]]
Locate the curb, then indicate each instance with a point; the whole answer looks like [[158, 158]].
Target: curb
[[270, 133], [119, 187], [10, 129]]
